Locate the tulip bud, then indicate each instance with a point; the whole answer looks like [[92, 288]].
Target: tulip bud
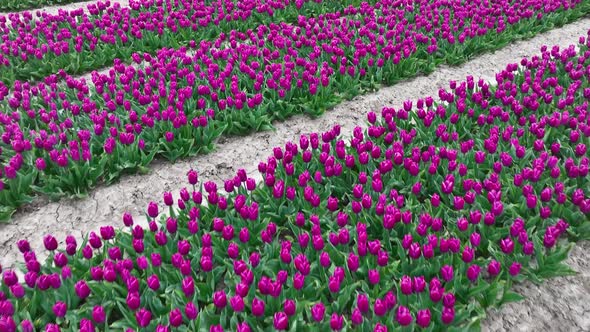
[[98, 314], [336, 322], [280, 321], [220, 299], [423, 318], [362, 302], [403, 316], [318, 311]]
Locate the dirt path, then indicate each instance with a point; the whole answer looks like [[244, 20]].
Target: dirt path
[[560, 304]]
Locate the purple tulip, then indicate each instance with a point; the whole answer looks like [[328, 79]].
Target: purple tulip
[[447, 273], [448, 315], [380, 307], [50, 242], [59, 309], [336, 322], [143, 317], [220, 299], [175, 317], [318, 311], [281, 321], [190, 310], [98, 314], [403, 316], [468, 254], [236, 302], [374, 277], [406, 285], [152, 210], [423, 318], [473, 272], [514, 269], [494, 268], [82, 289], [418, 284], [507, 245], [133, 300], [356, 317], [362, 302]]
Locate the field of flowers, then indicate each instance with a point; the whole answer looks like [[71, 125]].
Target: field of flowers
[[10, 5], [65, 135], [421, 221]]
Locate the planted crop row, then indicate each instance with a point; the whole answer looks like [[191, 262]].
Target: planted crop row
[[422, 221], [64, 138], [15, 5], [81, 41]]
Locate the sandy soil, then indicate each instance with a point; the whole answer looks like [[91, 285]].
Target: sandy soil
[[562, 304], [53, 10]]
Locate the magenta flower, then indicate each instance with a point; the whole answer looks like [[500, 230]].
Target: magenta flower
[[423, 318], [494, 268], [318, 311], [380, 328], [59, 309], [336, 322], [418, 284], [406, 285], [362, 302], [98, 314], [468, 254], [175, 317], [403, 316], [380, 307], [281, 321], [447, 273], [473, 272], [507, 245], [448, 315], [152, 210], [352, 262], [82, 289], [220, 299], [50, 242], [133, 300], [236, 302], [143, 317], [289, 307], [356, 317], [374, 277], [514, 269], [258, 307], [190, 310]]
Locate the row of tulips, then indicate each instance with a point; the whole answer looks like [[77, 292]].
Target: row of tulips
[[14, 5], [64, 138], [179, 101], [79, 41], [421, 221]]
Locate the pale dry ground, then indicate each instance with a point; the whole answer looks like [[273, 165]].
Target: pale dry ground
[[53, 10], [562, 304]]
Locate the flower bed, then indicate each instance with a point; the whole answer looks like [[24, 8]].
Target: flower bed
[[15, 5], [63, 139], [425, 219], [80, 41]]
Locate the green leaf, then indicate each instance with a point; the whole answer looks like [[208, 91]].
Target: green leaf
[[510, 296]]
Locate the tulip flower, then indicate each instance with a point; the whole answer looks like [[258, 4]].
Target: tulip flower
[[336, 322], [423, 318], [280, 321], [403, 316], [318, 311]]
